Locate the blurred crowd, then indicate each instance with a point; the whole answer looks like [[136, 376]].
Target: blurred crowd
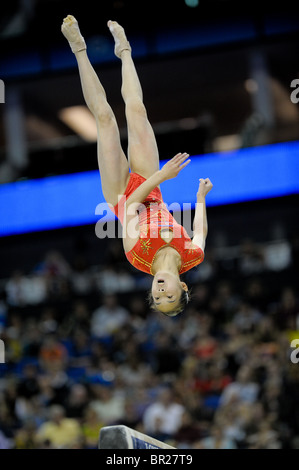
[[83, 350]]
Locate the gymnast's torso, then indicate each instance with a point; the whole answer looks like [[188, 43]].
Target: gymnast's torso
[[153, 229]]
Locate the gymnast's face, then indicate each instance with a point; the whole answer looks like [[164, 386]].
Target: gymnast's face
[[167, 291]]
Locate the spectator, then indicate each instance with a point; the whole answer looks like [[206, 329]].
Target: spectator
[[256, 294], [61, 432], [112, 280], [166, 358], [28, 386], [287, 310], [91, 427], [8, 421], [251, 260], [189, 431], [5, 443], [216, 440], [76, 401], [233, 419], [277, 255], [79, 317], [228, 299], [16, 290], [25, 436], [52, 353], [35, 291], [12, 337], [54, 265], [32, 340], [246, 318], [163, 418], [3, 314], [214, 380], [48, 323], [265, 437], [80, 349], [108, 403], [55, 385], [56, 272], [243, 389], [81, 277], [109, 318], [205, 346], [133, 372], [131, 416]]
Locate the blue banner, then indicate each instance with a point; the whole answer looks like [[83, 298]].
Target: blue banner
[[77, 199]]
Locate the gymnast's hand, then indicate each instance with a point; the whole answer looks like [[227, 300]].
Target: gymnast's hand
[[205, 186], [172, 168]]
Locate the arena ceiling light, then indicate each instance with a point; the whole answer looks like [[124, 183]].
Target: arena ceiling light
[[81, 121]]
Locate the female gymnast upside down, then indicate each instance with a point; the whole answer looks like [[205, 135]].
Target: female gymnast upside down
[[161, 247]]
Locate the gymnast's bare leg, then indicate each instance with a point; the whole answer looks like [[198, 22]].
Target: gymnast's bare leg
[[113, 164], [142, 147]]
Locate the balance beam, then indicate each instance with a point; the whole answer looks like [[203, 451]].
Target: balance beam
[[122, 437]]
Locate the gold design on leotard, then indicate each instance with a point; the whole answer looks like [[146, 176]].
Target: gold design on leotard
[[164, 216], [191, 250], [188, 246], [146, 246], [190, 264], [140, 260]]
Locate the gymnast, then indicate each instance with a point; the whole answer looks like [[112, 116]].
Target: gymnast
[[160, 246]]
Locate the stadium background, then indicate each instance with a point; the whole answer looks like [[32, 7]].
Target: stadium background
[[79, 336]]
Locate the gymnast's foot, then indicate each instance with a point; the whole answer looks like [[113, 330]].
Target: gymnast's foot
[[70, 29], [121, 42]]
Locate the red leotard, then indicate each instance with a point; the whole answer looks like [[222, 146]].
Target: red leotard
[[153, 217]]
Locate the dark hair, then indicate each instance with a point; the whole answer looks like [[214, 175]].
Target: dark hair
[[183, 301]]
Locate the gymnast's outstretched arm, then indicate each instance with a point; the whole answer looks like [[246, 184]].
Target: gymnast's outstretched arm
[[170, 170], [200, 222]]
